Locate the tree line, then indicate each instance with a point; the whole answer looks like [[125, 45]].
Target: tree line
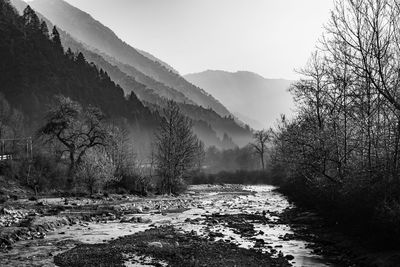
[[85, 138], [342, 150]]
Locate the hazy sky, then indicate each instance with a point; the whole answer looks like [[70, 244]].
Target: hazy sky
[[270, 37]]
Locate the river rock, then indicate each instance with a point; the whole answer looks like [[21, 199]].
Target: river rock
[[155, 244], [125, 219], [147, 220], [138, 209], [289, 257], [259, 243]]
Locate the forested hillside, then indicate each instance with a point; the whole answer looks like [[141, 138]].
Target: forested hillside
[[91, 32], [34, 68], [155, 94]]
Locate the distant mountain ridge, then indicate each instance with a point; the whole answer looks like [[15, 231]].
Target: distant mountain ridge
[[85, 28], [209, 125], [247, 94], [150, 56]]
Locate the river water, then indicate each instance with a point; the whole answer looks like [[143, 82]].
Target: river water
[[263, 199]]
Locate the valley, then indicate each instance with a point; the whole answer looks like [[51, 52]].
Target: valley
[[110, 156]]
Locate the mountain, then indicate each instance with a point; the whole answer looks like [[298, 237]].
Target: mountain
[[91, 32], [155, 59], [154, 94], [249, 121], [34, 68], [247, 95]]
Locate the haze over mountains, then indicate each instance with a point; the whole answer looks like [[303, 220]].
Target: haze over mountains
[[91, 32], [213, 123], [254, 99], [35, 68]]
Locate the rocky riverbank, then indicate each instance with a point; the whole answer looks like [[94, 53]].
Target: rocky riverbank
[[222, 225], [166, 245]]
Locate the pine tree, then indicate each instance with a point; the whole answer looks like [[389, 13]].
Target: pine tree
[[44, 29], [70, 55], [55, 38], [80, 59], [30, 19]]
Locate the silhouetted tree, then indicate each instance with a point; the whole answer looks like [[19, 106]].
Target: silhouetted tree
[[75, 129], [55, 38], [260, 145], [30, 19], [44, 29], [80, 59], [177, 148]]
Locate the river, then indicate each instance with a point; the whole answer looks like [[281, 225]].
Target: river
[[260, 200]]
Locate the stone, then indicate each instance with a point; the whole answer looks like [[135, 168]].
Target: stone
[[125, 219], [139, 209], [146, 220], [155, 244], [289, 257]]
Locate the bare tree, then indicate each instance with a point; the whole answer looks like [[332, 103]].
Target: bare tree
[[365, 36], [260, 145], [121, 149], [76, 129], [349, 103], [177, 148], [370, 30], [96, 170]]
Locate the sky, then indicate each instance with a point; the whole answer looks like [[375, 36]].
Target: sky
[[269, 37]]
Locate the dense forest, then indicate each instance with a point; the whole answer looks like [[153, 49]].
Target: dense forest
[[35, 67]]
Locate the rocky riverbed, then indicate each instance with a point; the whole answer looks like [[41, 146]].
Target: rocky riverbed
[[207, 226]]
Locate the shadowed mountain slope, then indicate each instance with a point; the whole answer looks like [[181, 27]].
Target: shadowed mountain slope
[[91, 32], [35, 68], [155, 94]]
